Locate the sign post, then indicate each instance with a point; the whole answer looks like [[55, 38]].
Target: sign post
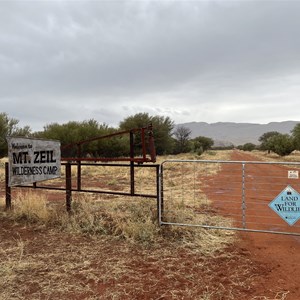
[[32, 160]]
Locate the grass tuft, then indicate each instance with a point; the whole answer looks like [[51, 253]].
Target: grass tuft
[[134, 221], [31, 206]]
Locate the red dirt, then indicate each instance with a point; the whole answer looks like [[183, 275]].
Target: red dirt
[[162, 272]]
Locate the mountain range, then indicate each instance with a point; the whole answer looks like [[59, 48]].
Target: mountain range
[[230, 133]]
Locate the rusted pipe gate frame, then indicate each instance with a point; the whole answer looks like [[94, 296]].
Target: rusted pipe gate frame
[[78, 161], [132, 159]]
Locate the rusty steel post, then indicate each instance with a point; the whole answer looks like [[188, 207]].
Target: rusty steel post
[[131, 163], [157, 191], [68, 187], [161, 191], [79, 168], [7, 188], [143, 143], [151, 144]]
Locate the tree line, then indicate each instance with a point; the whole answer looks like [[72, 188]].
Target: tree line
[[168, 139], [274, 141]]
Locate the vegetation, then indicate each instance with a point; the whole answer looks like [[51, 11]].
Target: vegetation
[[92, 256], [73, 132], [134, 220], [296, 136], [247, 147], [167, 141], [163, 127], [265, 140], [184, 144], [9, 127], [281, 144], [182, 140], [272, 156], [202, 144]]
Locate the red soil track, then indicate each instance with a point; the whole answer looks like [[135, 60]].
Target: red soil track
[[280, 254]]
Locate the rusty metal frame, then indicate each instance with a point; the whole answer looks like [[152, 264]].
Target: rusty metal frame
[[68, 187], [132, 159]]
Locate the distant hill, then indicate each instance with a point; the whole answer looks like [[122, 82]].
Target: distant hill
[[229, 133]]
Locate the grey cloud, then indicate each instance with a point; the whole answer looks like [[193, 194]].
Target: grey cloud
[[179, 58]]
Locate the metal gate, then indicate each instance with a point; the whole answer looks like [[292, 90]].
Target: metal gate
[[234, 195]]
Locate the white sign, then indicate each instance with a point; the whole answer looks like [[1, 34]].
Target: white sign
[[293, 174], [32, 160]]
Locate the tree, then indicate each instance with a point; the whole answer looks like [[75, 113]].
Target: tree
[[9, 127], [248, 147], [265, 140], [162, 129], [296, 136], [73, 132], [281, 144], [202, 144], [182, 135]]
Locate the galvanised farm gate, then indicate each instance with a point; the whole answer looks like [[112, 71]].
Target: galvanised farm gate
[[235, 195]]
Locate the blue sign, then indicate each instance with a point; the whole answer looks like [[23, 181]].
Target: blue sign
[[287, 205]]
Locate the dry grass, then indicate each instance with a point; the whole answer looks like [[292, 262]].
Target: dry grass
[[282, 295], [134, 220], [265, 156], [113, 248], [184, 198], [208, 155], [56, 266], [31, 206], [2, 169]]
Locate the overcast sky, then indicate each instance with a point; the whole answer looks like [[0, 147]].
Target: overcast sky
[[208, 61]]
